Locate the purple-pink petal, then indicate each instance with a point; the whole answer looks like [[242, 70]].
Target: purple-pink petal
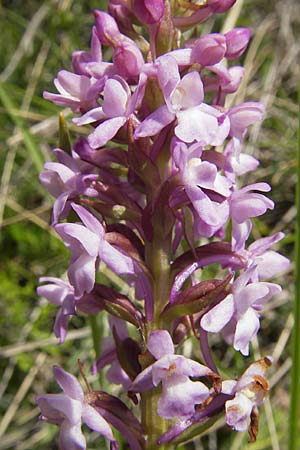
[[68, 383], [71, 437], [82, 273], [160, 344], [180, 395], [116, 95], [96, 422], [89, 220], [69, 408], [246, 328], [115, 259], [154, 123], [105, 131], [78, 237]]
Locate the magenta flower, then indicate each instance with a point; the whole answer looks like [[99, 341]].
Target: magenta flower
[[118, 107], [179, 393], [77, 92], [87, 244], [240, 310], [67, 178], [59, 293], [68, 410], [204, 185], [184, 97]]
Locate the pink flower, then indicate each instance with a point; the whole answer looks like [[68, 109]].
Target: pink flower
[[87, 244], [118, 107], [77, 92], [196, 121], [68, 410], [239, 311], [179, 394]]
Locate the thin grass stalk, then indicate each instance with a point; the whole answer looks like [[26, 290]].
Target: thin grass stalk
[[29, 142], [294, 432]]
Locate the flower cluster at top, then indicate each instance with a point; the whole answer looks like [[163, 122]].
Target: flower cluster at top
[[152, 191]]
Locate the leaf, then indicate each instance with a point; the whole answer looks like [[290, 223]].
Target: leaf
[[194, 299], [128, 352], [64, 136]]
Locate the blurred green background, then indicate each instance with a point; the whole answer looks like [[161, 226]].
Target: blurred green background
[[37, 39]]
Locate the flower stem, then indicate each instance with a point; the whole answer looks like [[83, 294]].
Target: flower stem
[[97, 334], [158, 260]]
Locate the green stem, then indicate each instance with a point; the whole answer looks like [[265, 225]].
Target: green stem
[[294, 433], [158, 260], [97, 335]]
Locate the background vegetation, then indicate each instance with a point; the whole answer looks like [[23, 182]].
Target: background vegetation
[[37, 39]]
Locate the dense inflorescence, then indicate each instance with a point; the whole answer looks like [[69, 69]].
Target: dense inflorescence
[[153, 193]]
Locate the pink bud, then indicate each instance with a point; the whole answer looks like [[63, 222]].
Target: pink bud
[[127, 59], [237, 41], [220, 6], [209, 49], [107, 28], [148, 11], [122, 15]]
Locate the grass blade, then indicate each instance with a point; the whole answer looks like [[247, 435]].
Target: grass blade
[[294, 434], [29, 141]]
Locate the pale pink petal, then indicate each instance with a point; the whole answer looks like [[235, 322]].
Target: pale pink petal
[[168, 75], [196, 125], [93, 115], [246, 328], [154, 123], [143, 381], [216, 319], [116, 97], [249, 295], [105, 131], [270, 264], [192, 88]]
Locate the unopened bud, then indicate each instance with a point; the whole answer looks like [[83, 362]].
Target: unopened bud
[[107, 28], [128, 59], [209, 50], [220, 6], [237, 41], [148, 11], [122, 15]]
